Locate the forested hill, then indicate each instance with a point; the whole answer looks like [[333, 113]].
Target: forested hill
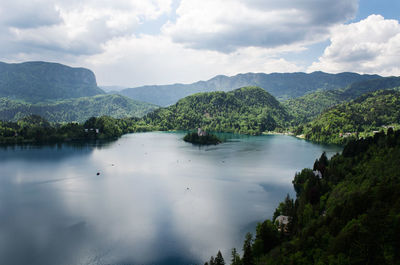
[[35, 129], [359, 88], [346, 211], [307, 107], [356, 118], [280, 85], [42, 81], [76, 110], [249, 110]]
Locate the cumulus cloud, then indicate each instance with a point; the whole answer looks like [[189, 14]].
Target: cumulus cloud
[[28, 14], [58, 28], [369, 46], [225, 25]]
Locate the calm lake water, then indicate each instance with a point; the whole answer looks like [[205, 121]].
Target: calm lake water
[[157, 200]]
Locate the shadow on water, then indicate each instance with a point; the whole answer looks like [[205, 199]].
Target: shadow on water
[[99, 143], [52, 151]]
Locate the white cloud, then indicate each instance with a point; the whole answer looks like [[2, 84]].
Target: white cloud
[[57, 28], [150, 59], [369, 46], [226, 25], [28, 14], [204, 38]]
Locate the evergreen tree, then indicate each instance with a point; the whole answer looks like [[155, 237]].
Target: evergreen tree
[[235, 258], [219, 260], [267, 238], [247, 251], [212, 261]]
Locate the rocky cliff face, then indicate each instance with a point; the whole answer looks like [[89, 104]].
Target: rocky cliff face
[[42, 81]]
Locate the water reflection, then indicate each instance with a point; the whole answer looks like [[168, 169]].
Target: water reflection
[[157, 199], [58, 150]]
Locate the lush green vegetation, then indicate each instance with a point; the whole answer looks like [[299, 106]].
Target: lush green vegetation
[[354, 119], [346, 211], [75, 110], [249, 110], [41, 81], [35, 129], [305, 108], [308, 107], [281, 85], [207, 139], [360, 88], [218, 260]]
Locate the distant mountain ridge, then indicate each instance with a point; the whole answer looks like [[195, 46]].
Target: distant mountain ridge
[[43, 81], [281, 85]]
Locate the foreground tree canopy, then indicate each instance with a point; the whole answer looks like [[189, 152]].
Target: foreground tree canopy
[[346, 211]]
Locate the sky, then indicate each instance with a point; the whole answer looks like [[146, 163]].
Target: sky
[[143, 42]]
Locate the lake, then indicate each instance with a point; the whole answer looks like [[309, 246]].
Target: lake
[[156, 199]]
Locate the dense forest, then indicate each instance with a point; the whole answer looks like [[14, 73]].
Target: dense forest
[[75, 110], [35, 129], [305, 108], [249, 110], [346, 211], [252, 110], [358, 118]]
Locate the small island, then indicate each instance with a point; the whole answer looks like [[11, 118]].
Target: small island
[[201, 138]]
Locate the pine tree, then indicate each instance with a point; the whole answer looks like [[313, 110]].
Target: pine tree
[[247, 251], [219, 260], [212, 261], [235, 258]]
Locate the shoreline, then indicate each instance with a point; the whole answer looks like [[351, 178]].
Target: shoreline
[[278, 133]]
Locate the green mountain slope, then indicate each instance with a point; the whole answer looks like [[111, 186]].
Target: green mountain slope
[[356, 118], [359, 88], [41, 81], [249, 110], [307, 107], [78, 110], [346, 212], [280, 85]]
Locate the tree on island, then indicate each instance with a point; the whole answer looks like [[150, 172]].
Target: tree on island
[[203, 139]]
